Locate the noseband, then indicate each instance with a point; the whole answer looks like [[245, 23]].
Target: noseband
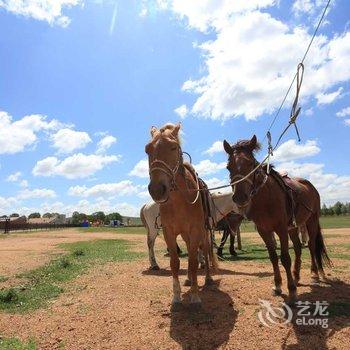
[[254, 189], [160, 165]]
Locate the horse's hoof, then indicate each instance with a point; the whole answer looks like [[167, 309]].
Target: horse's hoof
[[176, 306], [187, 283], [154, 268], [315, 280], [209, 282], [276, 291]]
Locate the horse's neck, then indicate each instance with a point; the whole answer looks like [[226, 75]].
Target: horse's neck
[[224, 205]]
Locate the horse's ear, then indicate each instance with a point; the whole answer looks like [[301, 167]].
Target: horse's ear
[[176, 130], [153, 130], [227, 147], [253, 143]]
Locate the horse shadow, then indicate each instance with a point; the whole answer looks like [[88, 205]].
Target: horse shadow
[[337, 294], [201, 272], [208, 327]]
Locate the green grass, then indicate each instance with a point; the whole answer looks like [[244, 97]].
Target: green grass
[[3, 278], [131, 230], [49, 281], [16, 344], [341, 221]]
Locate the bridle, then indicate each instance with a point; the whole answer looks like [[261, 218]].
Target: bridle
[[254, 188], [160, 165]]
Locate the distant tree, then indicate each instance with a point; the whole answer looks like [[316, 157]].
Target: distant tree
[[78, 218], [113, 216], [337, 208], [34, 216], [99, 215], [14, 215], [47, 215]]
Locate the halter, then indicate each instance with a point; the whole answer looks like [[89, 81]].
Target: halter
[[160, 165], [254, 189]]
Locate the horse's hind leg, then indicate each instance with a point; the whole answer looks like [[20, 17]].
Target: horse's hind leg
[[232, 243], [193, 269], [294, 236], [271, 248], [206, 243], [151, 238], [225, 234], [286, 262]]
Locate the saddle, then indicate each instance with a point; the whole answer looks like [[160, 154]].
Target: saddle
[[292, 190], [207, 203]]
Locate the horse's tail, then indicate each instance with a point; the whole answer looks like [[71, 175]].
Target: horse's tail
[[212, 256], [320, 250]]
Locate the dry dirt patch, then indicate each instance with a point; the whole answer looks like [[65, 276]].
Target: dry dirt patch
[[124, 306]]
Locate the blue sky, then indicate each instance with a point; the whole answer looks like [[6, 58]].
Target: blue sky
[[82, 82]]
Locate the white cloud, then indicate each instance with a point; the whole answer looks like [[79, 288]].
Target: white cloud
[[181, 111], [327, 98], [140, 169], [122, 188], [23, 183], [344, 112], [291, 150], [67, 140], [76, 166], [347, 122], [207, 167], [17, 136], [241, 78], [36, 193], [14, 177], [215, 182], [303, 6], [50, 11], [332, 187], [105, 143], [216, 147]]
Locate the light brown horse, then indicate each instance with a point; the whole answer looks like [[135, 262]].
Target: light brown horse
[[263, 198], [172, 185]]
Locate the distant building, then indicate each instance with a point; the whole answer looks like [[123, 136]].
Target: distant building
[[54, 220]]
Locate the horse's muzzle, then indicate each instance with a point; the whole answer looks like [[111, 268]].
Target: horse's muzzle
[[158, 191]]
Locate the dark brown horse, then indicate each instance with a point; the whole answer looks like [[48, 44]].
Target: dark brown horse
[[230, 227], [266, 199]]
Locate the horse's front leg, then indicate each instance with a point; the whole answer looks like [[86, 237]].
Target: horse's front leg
[[170, 239]]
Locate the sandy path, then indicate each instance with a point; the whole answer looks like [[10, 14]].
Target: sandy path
[[124, 306]]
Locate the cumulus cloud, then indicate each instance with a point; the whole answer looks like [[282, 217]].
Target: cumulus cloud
[[181, 111], [14, 177], [140, 169], [327, 98], [332, 187], [291, 150], [122, 188], [240, 78], [344, 112], [207, 167], [105, 143], [216, 147], [76, 166], [17, 136], [50, 11], [36, 193], [68, 140]]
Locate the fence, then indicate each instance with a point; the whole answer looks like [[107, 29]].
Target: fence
[[7, 226]]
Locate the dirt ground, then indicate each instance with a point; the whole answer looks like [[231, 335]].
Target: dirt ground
[[126, 306]]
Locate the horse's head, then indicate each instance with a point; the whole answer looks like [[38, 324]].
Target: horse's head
[[241, 162], [164, 158]]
